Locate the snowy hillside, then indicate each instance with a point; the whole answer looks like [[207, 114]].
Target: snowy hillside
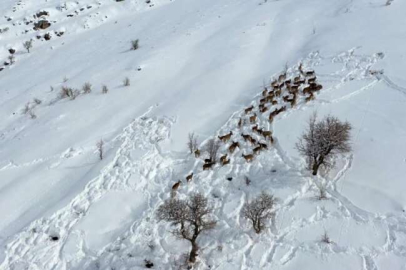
[[199, 64]]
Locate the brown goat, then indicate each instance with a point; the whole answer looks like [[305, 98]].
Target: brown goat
[[197, 153], [223, 158], [260, 131], [257, 150], [207, 166], [267, 134], [282, 77], [309, 73], [248, 158], [253, 118], [316, 87], [263, 145], [252, 140], [264, 109], [278, 93], [307, 90], [208, 160], [255, 128], [312, 80], [176, 185], [271, 140], [270, 98], [262, 100], [274, 102], [189, 177], [310, 97], [245, 136], [225, 162], [265, 91], [226, 137], [270, 118], [249, 109], [233, 146]]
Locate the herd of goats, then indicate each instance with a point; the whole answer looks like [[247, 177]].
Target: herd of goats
[[305, 84]]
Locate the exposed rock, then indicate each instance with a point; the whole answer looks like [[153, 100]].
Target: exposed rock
[[43, 24]]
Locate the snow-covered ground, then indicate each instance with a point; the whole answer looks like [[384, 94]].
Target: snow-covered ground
[[200, 63]]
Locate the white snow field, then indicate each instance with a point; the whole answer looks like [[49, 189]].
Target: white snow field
[[199, 64]]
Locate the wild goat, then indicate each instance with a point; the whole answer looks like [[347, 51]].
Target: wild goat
[[262, 100], [252, 140], [312, 80], [310, 97], [225, 162], [189, 177], [309, 73], [240, 123], [260, 131], [270, 98], [253, 118], [207, 166], [265, 91], [264, 109], [208, 160], [263, 145], [282, 77], [249, 109], [197, 153], [245, 136], [256, 150], [307, 90], [223, 158], [274, 84], [267, 134], [176, 185], [255, 128], [226, 137], [316, 87], [248, 158], [274, 102], [233, 146]]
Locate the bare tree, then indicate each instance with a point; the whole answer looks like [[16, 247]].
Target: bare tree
[[189, 217], [99, 146], [323, 140], [259, 210], [213, 147], [192, 142], [28, 45]]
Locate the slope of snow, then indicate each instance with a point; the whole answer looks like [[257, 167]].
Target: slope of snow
[[199, 64]]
